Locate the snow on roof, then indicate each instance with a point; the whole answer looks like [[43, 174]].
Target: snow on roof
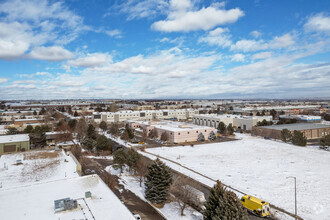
[[173, 126], [37, 201], [233, 116], [14, 138], [297, 126], [28, 119]]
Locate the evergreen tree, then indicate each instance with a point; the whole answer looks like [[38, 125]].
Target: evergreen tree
[[223, 205], [34, 112], [12, 130], [230, 129], [222, 128], [132, 158], [158, 181], [325, 141], [103, 125], [201, 137], [299, 139], [75, 114], [72, 123], [114, 130], [91, 133], [129, 131], [326, 117], [212, 136], [102, 143], [119, 159], [28, 129], [286, 135], [89, 143]]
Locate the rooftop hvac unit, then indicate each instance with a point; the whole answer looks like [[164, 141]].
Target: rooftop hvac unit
[[65, 204]]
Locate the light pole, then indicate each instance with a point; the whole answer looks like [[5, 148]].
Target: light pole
[[295, 194]]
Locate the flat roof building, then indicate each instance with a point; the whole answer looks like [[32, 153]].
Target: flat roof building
[[121, 116], [310, 130], [177, 132], [14, 143], [238, 121]]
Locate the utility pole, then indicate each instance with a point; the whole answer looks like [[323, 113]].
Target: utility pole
[[295, 194]]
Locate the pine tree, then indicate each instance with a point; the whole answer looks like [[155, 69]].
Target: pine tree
[[286, 135], [103, 125], [158, 181], [230, 129], [299, 139], [325, 142], [132, 158], [212, 136], [223, 205], [103, 143], [91, 133], [119, 159], [201, 137], [222, 128]]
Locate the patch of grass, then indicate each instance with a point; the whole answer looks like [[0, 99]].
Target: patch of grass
[[40, 155]]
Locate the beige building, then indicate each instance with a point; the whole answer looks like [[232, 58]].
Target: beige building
[[310, 130], [177, 132], [115, 117], [237, 121]]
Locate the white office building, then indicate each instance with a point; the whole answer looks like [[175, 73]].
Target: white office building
[[238, 121]]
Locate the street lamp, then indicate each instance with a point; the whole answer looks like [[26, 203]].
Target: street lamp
[[295, 194]]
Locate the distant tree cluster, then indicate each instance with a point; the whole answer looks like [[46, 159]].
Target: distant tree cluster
[[264, 123], [286, 121], [223, 129], [326, 117], [130, 158]]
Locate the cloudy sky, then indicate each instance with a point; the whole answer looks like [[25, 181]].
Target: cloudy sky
[[164, 49]]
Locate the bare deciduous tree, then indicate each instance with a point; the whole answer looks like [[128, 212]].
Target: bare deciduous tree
[[141, 169], [184, 193]]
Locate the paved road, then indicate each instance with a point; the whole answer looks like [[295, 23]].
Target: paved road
[[132, 202]]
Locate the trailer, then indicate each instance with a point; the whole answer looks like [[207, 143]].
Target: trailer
[[256, 206]]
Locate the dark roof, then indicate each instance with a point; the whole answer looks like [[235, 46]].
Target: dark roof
[[297, 126]]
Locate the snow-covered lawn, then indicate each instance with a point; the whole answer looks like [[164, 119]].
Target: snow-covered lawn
[[261, 168], [170, 210], [37, 166]]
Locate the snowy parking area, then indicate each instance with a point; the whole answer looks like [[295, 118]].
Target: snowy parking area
[[261, 168]]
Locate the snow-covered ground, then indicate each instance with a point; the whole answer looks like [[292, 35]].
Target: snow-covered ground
[[261, 168], [37, 201], [170, 210], [37, 166]]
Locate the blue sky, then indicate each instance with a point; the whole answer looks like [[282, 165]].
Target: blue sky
[[164, 49]]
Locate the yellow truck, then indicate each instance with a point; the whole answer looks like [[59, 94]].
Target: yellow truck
[[256, 205]]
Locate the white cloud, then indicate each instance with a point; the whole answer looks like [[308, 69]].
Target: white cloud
[[318, 23], [114, 33], [256, 33], [218, 37], [277, 42], [283, 41], [30, 23], [3, 80], [54, 53], [238, 57], [183, 18], [91, 60], [262, 55], [136, 9]]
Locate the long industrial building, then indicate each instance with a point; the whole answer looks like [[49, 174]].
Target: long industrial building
[[238, 121], [14, 143], [114, 117], [310, 130]]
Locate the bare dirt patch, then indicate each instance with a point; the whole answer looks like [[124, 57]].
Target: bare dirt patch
[[41, 155]]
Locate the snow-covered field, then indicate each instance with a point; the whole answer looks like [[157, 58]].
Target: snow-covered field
[[170, 210], [261, 168], [37, 166]]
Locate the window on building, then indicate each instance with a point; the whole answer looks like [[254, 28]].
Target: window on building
[[196, 131], [188, 132], [178, 133]]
